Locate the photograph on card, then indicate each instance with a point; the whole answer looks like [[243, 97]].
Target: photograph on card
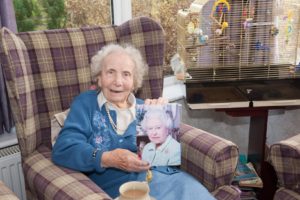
[[158, 132]]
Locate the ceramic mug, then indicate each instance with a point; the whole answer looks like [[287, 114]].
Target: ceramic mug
[[134, 190]]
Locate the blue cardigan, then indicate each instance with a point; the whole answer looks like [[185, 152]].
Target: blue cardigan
[[86, 134]]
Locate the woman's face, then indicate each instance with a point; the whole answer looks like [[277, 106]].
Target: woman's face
[[156, 130], [116, 78]]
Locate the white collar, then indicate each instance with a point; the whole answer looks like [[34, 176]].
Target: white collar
[[124, 116], [102, 100]]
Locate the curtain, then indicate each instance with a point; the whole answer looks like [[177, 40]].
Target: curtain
[[8, 19]]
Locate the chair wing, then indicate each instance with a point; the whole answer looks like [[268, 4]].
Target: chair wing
[[285, 158]]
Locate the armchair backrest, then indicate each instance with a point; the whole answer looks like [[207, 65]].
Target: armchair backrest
[[44, 70]]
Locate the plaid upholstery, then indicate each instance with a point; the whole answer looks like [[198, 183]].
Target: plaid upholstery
[[286, 194], [45, 70], [44, 180], [227, 193], [207, 157], [6, 193], [285, 158]]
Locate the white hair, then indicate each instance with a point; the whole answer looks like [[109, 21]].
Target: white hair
[[140, 70], [160, 114]]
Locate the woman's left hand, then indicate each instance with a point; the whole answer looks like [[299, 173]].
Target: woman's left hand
[[159, 101]]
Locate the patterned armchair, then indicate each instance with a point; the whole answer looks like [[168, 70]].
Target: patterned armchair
[[285, 158], [44, 70], [6, 193]]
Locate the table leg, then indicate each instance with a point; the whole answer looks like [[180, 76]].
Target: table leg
[[256, 154], [257, 139]]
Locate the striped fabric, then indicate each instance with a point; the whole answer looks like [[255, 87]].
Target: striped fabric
[[286, 194], [209, 158], [6, 193], [227, 193], [45, 70], [285, 158], [44, 180]]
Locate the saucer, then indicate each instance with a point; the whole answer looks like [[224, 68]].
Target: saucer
[[152, 198]]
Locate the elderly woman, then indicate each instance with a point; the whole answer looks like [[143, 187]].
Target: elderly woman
[[99, 134]]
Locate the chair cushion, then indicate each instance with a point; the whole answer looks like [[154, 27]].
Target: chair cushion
[[57, 123], [6, 193], [227, 192], [286, 194], [48, 181]]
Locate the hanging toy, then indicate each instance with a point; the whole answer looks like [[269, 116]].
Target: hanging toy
[[223, 26], [203, 39], [245, 13], [248, 14], [247, 23], [274, 31], [218, 32], [219, 9], [198, 31], [289, 26], [297, 67], [192, 25]]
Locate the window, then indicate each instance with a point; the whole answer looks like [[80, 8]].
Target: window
[[165, 12], [49, 14], [45, 14]]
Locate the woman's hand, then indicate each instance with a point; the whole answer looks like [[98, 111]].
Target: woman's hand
[[159, 101], [124, 159]]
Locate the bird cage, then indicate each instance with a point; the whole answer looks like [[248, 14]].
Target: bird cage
[[240, 40]]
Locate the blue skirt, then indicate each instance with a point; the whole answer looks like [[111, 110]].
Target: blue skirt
[[170, 183]]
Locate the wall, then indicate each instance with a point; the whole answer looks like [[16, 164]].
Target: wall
[[281, 124]]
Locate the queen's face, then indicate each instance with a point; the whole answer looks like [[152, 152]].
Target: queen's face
[[116, 78], [156, 130]]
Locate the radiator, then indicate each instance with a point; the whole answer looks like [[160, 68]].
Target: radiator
[[11, 172]]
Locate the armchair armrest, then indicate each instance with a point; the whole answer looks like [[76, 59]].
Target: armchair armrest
[[6, 193], [46, 180], [209, 158], [285, 158], [286, 194]]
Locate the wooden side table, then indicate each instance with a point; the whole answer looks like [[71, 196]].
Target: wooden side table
[[252, 98], [257, 145]]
